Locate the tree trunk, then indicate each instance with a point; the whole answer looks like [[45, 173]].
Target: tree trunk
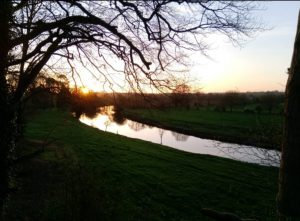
[[6, 146], [5, 127], [289, 178]]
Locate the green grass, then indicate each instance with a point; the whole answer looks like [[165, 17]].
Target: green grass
[[253, 129], [87, 174]]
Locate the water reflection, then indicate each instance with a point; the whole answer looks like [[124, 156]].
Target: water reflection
[[136, 126], [161, 133], [180, 137], [118, 118], [106, 120]]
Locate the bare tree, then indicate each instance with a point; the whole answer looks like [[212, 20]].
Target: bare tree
[[138, 40], [181, 95]]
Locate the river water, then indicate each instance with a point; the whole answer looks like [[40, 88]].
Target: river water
[[107, 120]]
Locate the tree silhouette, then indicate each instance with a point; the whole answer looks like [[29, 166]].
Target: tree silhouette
[[142, 37], [230, 99], [289, 179], [181, 95]]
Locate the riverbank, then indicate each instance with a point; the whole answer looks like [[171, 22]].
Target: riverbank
[[87, 174], [261, 130]]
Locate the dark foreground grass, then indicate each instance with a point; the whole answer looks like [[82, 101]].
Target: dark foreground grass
[[263, 130], [86, 174]]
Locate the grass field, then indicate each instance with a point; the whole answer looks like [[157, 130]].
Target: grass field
[[263, 130], [87, 174]]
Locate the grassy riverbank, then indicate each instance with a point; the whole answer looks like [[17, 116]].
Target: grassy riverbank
[[87, 174], [262, 130]]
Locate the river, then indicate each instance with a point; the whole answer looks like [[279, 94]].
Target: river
[[106, 120]]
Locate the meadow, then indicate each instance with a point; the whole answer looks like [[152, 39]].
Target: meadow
[[81, 173]]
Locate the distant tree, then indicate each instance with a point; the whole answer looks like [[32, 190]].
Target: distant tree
[[143, 37], [231, 99], [181, 95], [199, 97], [269, 101], [84, 103], [48, 91]]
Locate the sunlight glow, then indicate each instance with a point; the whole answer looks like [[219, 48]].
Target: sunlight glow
[[85, 90]]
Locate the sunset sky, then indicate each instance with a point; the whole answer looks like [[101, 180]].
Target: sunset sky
[[259, 64]]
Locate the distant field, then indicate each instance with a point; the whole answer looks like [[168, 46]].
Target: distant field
[[87, 174], [246, 128]]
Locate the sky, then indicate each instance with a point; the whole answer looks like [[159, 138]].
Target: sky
[[260, 64]]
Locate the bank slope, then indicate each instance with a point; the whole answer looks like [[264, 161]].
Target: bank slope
[[261, 130]]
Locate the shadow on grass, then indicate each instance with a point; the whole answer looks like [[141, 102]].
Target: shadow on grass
[[52, 186]]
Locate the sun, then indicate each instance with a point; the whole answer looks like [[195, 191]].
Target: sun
[[84, 90]]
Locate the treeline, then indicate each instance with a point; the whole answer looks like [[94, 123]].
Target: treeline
[[55, 92], [250, 102]]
